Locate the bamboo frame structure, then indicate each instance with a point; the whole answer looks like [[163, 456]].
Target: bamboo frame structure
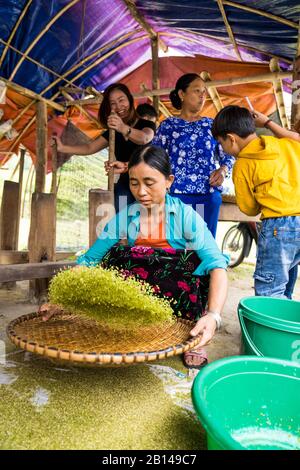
[[31, 94], [15, 28], [211, 36], [41, 34], [229, 29], [42, 66], [278, 91], [265, 77], [256, 11], [141, 20], [212, 91], [162, 108], [81, 109]]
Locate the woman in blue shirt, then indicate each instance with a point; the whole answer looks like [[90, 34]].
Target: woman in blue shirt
[[167, 245], [193, 151]]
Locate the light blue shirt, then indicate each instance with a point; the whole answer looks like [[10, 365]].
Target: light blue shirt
[[185, 229]]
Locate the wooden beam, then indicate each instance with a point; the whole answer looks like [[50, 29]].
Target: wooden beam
[[23, 272], [40, 35], [229, 30], [144, 24], [54, 169], [256, 11], [278, 91], [41, 146], [14, 30], [101, 210], [266, 77], [212, 91], [30, 94], [21, 257]]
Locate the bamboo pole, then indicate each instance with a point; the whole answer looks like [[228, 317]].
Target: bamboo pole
[[295, 117], [72, 102], [111, 158], [256, 11], [41, 146], [229, 30], [155, 71], [19, 137], [14, 30], [41, 34], [29, 175], [21, 174], [266, 77], [278, 91], [212, 91]]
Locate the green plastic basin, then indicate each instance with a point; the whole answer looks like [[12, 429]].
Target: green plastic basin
[[247, 402], [270, 327]]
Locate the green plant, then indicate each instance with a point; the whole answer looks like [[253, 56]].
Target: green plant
[[107, 297]]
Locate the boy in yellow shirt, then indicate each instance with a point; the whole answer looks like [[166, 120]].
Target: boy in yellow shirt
[[266, 180]]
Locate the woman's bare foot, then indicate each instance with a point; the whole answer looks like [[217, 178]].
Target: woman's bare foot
[[195, 359]]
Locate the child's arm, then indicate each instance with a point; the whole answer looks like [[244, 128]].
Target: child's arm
[[263, 121], [245, 197]]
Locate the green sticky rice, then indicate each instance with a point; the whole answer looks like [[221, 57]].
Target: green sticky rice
[[106, 296]]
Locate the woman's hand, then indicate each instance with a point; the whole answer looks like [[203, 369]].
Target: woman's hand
[[207, 326], [117, 166], [55, 140], [49, 310], [259, 118], [217, 177], [115, 122]]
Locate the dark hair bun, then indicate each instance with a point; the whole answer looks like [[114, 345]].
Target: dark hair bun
[[175, 100]]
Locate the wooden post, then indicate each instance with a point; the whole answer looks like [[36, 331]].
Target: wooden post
[[42, 238], [278, 91], [155, 71], [41, 146], [111, 158], [295, 117], [101, 210], [9, 220], [54, 169]]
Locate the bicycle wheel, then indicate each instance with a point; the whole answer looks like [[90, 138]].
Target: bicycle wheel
[[236, 243]]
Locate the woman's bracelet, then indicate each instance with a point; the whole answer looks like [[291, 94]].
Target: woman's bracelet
[[128, 133]]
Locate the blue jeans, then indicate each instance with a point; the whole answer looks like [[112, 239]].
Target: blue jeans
[[278, 252], [207, 205]]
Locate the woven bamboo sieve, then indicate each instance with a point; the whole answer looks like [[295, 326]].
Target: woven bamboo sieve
[[79, 340]]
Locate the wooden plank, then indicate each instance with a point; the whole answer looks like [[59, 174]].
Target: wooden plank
[[101, 210], [9, 217], [41, 146], [23, 272], [231, 213], [20, 257]]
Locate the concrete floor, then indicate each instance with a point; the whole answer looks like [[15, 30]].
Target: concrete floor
[[47, 406]]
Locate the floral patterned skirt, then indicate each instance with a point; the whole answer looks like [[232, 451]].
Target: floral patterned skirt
[[169, 271]]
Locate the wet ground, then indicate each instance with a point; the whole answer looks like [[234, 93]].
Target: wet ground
[[46, 406]]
